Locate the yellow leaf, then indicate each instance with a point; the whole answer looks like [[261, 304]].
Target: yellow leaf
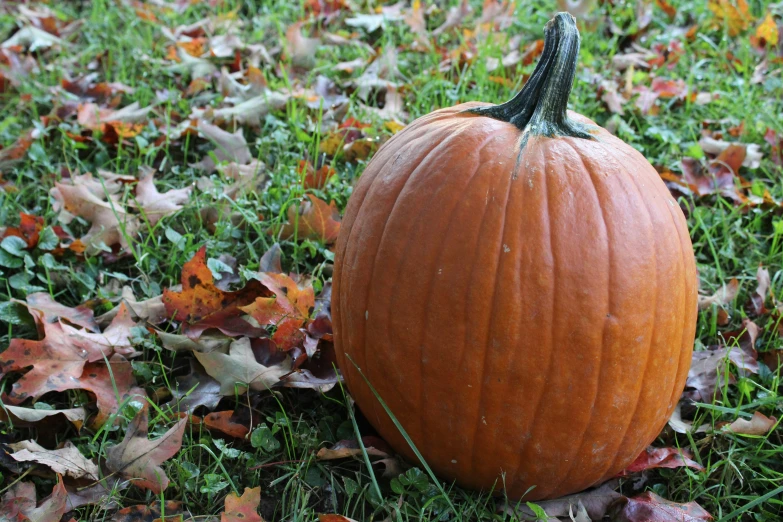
[[735, 14], [393, 126], [768, 30]]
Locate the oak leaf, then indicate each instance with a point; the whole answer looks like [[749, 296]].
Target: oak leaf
[[662, 458], [44, 309], [139, 459], [239, 370], [155, 205], [759, 424], [67, 460], [19, 502]]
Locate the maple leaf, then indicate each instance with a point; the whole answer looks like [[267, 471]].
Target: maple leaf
[[661, 458], [239, 370], [202, 305], [649, 507], [139, 459], [67, 460], [154, 204], [288, 310], [314, 219], [244, 508]]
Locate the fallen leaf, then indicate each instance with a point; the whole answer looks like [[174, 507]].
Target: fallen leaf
[[759, 424], [152, 310], [194, 390], [334, 518], [155, 205], [67, 460], [226, 422], [33, 38], [708, 371], [46, 310], [680, 425], [662, 458], [595, 501], [202, 305], [751, 158], [734, 14], [29, 416], [649, 507], [374, 446], [767, 31], [244, 508], [287, 311], [759, 296], [139, 459], [301, 49], [24, 509], [725, 295], [314, 219], [455, 17], [239, 370], [112, 384], [174, 512], [231, 147], [17, 151], [254, 110], [29, 229]]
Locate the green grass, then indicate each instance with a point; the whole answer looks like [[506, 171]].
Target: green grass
[[744, 474]]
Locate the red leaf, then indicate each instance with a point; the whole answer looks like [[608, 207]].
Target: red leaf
[[661, 458]]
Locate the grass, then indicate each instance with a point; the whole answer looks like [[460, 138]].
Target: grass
[[744, 477]]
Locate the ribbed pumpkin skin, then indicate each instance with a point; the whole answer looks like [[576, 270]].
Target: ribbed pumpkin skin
[[532, 317]]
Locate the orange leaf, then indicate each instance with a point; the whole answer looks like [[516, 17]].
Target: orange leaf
[[288, 310], [29, 228], [225, 422], [735, 14], [244, 508], [314, 219], [203, 305]]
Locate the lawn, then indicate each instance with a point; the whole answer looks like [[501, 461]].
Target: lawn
[[170, 167]]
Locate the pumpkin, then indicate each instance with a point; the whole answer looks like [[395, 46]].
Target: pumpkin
[[519, 287]]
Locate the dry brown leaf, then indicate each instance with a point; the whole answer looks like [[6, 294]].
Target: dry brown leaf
[[239, 370], [759, 424], [139, 459], [725, 295], [67, 460], [29, 416], [152, 203]]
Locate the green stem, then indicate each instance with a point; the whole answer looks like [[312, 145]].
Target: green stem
[[540, 107]]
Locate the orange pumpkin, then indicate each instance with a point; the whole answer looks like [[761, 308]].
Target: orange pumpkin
[[519, 287]]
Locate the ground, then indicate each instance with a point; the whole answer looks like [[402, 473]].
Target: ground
[[141, 95]]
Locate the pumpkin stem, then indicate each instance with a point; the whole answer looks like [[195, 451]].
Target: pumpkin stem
[[540, 107]]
